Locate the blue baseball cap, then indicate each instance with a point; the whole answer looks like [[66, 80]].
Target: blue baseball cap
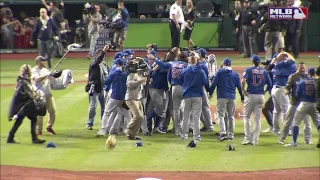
[[227, 61], [51, 145], [128, 52], [312, 71], [118, 55], [153, 52], [119, 61], [202, 52], [255, 59]]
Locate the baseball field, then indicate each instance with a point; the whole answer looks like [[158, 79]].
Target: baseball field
[[81, 155]]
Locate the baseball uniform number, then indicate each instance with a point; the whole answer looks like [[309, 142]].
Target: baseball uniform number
[[257, 80], [309, 90]]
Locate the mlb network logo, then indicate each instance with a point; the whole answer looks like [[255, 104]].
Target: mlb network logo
[[288, 13]]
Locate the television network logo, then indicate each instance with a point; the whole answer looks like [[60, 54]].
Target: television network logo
[[287, 13]]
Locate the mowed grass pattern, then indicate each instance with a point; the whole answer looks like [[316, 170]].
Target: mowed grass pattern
[[78, 149]]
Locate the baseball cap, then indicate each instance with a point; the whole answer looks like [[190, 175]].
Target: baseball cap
[[128, 52], [255, 59], [40, 58], [275, 55], [153, 52], [118, 55], [202, 52], [227, 61], [312, 71], [119, 61]]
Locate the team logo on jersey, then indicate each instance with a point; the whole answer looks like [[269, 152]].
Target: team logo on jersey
[[287, 13]]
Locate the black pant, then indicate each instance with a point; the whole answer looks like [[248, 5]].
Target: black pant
[[175, 34], [293, 40], [267, 111], [17, 124]]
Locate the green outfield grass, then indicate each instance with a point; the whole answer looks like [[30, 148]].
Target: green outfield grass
[[78, 149]]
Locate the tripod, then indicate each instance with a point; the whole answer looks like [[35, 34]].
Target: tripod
[[221, 39]]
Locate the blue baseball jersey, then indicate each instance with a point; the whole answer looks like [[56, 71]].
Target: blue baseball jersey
[[117, 81], [159, 77], [204, 66], [175, 71], [226, 80], [281, 72], [193, 79], [306, 90], [257, 78]]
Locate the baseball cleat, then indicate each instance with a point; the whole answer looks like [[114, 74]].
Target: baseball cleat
[[281, 142], [309, 142], [291, 144], [50, 130], [133, 138], [184, 136], [254, 144], [157, 130], [318, 146], [267, 130], [146, 134], [222, 137], [246, 142], [89, 127], [99, 134]]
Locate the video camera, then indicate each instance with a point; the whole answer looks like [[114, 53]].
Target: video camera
[[88, 8], [137, 65]]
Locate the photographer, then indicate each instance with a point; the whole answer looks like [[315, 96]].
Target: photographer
[[97, 73], [120, 33], [23, 105], [92, 19]]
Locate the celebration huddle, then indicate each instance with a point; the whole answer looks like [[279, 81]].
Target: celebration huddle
[[144, 94]]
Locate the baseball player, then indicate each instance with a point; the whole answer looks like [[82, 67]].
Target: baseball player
[[317, 87], [157, 91], [294, 102], [226, 80], [256, 78], [193, 79], [306, 93], [117, 82], [206, 116], [284, 66], [268, 106], [174, 78]]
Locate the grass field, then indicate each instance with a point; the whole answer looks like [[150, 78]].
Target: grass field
[[78, 149]]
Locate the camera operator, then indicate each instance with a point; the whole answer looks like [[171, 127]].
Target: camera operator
[[92, 19], [134, 95], [95, 85], [247, 21], [273, 32], [23, 105], [120, 33]]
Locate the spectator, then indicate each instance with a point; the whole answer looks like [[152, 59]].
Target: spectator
[[55, 13], [142, 16]]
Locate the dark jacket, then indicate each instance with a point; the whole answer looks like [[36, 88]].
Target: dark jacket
[[95, 73], [57, 16], [246, 16], [233, 15], [44, 34], [292, 87], [294, 25], [272, 25], [21, 97]]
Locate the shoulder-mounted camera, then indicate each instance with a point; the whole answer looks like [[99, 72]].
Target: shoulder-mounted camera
[[88, 8]]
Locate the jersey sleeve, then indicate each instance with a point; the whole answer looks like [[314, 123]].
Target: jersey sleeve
[[245, 74], [173, 10]]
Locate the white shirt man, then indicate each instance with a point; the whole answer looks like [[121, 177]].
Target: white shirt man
[[40, 73], [176, 10]]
